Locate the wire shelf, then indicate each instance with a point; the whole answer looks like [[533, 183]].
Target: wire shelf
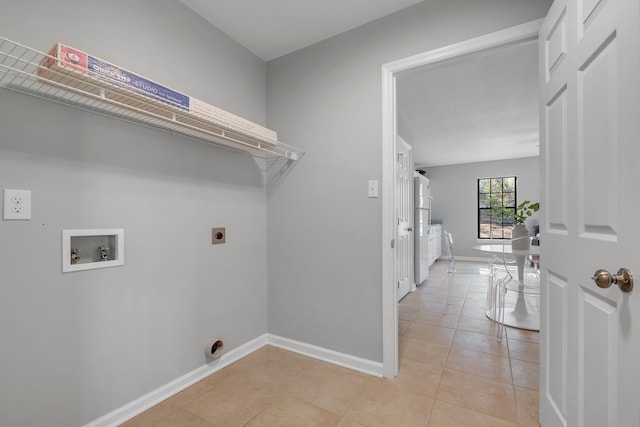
[[21, 70]]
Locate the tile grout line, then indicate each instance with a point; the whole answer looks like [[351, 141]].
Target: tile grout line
[[451, 345]]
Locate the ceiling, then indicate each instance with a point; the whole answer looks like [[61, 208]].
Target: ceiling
[[272, 28], [477, 108]]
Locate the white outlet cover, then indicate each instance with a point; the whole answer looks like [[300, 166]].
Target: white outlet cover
[[16, 205]]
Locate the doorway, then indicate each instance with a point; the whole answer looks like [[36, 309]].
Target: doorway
[[524, 32]]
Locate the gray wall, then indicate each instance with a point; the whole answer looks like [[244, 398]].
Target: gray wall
[[455, 196], [77, 345], [324, 234]]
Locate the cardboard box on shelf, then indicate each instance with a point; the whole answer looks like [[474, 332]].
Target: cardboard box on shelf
[[231, 121], [74, 69], [66, 63]]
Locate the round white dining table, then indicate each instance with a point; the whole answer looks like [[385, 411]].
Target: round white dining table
[[519, 255], [520, 317]]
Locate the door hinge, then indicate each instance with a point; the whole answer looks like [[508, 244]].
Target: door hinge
[[398, 285], [393, 243]]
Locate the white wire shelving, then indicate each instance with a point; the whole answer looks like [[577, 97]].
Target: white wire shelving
[[19, 66]]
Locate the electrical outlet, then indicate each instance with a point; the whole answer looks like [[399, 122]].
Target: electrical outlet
[[17, 205]]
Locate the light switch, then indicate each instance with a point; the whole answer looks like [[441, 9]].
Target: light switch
[[373, 188]]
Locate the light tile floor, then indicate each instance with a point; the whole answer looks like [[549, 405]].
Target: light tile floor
[[453, 372]]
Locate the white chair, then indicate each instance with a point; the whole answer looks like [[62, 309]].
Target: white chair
[[501, 278], [529, 290], [501, 271], [527, 287], [452, 270], [451, 267], [451, 264]]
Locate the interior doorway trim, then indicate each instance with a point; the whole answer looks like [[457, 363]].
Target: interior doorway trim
[[527, 31]]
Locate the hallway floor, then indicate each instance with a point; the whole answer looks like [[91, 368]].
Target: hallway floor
[[453, 372]]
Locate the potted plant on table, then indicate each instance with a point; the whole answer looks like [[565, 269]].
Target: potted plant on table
[[520, 233]]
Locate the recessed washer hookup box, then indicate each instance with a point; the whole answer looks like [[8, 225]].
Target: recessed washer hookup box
[[63, 59]]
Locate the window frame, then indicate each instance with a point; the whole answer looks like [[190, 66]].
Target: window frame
[[480, 209]]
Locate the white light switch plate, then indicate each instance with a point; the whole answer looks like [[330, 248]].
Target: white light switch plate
[[373, 188], [17, 205]]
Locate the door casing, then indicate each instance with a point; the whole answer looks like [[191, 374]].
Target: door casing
[[520, 33]]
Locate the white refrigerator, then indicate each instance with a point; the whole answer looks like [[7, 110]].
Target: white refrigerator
[[422, 219]]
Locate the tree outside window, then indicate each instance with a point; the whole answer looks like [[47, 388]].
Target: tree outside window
[[496, 193]]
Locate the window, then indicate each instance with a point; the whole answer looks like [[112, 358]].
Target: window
[[496, 207]]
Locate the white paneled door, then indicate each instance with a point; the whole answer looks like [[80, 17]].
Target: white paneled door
[[590, 156], [404, 215]]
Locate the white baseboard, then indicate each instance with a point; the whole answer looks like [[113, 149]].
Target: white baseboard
[[467, 258], [341, 359], [130, 410]]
